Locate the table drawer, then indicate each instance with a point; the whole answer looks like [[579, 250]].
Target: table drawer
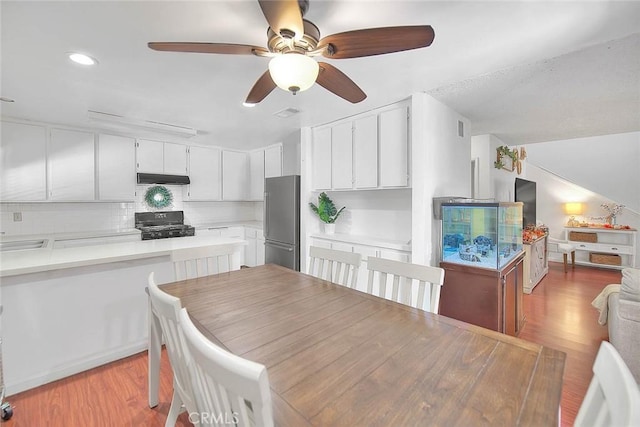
[[605, 247]]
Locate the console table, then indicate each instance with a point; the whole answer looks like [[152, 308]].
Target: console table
[[608, 241], [536, 263]]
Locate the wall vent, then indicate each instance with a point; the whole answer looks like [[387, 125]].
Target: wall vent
[[460, 128]]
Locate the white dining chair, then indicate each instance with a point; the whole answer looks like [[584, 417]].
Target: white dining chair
[[402, 276], [227, 388], [566, 248], [336, 266], [190, 263], [613, 397], [166, 308]]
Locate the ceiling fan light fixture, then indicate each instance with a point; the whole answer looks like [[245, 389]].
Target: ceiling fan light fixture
[[294, 72]]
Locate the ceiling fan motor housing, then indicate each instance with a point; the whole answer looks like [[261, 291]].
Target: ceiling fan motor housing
[[282, 43]]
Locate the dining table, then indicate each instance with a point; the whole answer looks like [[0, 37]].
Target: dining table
[[337, 356]]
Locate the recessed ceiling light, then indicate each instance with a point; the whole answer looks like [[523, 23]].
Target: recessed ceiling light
[[80, 58], [249, 104]]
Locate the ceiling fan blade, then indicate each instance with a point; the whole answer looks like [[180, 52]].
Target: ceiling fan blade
[[261, 89], [283, 15], [376, 41], [337, 82], [222, 48]]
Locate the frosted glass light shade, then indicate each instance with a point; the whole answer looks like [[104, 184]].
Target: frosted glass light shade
[[294, 72]]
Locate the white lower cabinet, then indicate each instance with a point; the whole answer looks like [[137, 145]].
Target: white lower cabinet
[[254, 251], [364, 250]]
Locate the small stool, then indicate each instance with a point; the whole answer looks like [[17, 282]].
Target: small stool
[[566, 249]]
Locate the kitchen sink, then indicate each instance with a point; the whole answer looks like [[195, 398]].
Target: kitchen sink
[[20, 245]]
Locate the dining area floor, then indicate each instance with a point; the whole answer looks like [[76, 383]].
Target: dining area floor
[[558, 315]]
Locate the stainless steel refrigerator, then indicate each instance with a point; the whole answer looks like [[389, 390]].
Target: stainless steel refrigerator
[[282, 221]]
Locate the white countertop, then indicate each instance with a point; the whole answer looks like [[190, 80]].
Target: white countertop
[[365, 240], [18, 262]]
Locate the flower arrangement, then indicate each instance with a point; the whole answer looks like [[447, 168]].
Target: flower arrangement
[[613, 209]]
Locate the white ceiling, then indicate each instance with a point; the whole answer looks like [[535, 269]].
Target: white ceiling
[[524, 71]]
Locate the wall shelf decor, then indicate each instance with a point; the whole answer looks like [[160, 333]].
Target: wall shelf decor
[[507, 159]]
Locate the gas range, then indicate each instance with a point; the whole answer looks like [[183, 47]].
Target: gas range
[[162, 225]]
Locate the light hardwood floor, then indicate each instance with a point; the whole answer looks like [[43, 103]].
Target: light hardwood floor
[[559, 315]]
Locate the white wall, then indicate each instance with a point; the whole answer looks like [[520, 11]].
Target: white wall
[[440, 166], [607, 164]]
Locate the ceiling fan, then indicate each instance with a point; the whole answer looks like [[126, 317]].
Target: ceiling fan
[[294, 42]]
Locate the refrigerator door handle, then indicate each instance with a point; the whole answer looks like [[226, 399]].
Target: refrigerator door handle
[[266, 212], [279, 246]]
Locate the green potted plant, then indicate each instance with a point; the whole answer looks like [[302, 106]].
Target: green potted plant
[[327, 212]]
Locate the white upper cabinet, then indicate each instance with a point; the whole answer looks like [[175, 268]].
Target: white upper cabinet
[[393, 141], [149, 156], [273, 161], [175, 159], [368, 152], [71, 165], [342, 156], [256, 174], [235, 175], [23, 170], [161, 157], [204, 173], [116, 168], [321, 159], [365, 152]]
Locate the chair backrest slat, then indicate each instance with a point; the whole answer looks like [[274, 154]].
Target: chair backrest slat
[[227, 388], [403, 275], [190, 263], [340, 267], [613, 396], [167, 308]]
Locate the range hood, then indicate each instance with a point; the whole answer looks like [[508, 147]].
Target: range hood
[[156, 178]]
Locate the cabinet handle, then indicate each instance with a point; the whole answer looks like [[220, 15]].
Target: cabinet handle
[[614, 249], [583, 246]]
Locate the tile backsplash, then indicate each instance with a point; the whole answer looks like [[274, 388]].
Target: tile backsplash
[[47, 218]]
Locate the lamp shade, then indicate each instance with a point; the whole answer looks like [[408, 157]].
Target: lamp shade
[[293, 71], [573, 208]]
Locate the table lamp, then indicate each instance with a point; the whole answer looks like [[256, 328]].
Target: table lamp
[[573, 209]]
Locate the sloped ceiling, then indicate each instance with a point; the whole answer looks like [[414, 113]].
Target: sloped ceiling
[[524, 71]]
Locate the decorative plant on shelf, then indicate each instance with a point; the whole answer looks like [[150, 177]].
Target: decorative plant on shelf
[[613, 209], [503, 152], [326, 209]]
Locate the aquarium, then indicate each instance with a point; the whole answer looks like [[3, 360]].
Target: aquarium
[[487, 235]]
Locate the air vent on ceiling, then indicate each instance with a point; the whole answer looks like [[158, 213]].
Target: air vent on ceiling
[[287, 112]]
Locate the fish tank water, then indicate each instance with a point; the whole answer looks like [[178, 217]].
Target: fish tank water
[[486, 235]]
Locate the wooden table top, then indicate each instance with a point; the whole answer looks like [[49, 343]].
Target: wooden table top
[[336, 356]]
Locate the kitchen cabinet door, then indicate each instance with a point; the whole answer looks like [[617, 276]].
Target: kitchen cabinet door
[[365, 152], [204, 173], [342, 156], [256, 174], [273, 161], [71, 165], [23, 174], [321, 159], [175, 159], [235, 175], [260, 248], [394, 147], [149, 156], [116, 168]]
